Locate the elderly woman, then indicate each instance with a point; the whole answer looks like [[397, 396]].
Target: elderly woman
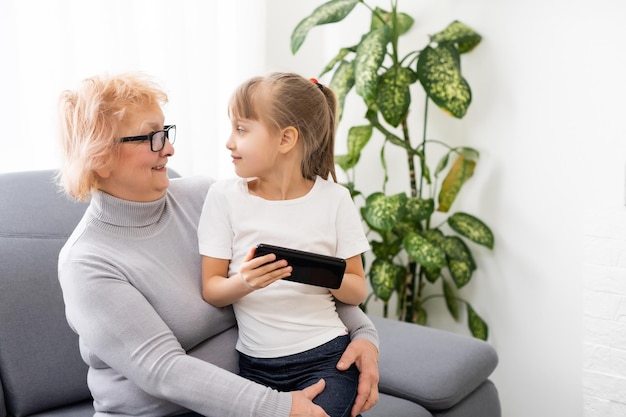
[[130, 272]]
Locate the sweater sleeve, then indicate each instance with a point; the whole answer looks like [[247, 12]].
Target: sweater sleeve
[[120, 328], [357, 322]]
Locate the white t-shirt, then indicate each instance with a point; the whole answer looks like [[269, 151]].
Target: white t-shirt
[[286, 317]]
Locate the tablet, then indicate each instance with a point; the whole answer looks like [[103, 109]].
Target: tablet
[[308, 267]]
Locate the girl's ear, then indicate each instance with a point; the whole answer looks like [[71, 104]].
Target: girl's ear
[[289, 139]]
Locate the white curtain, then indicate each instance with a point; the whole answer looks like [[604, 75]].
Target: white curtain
[[198, 50]]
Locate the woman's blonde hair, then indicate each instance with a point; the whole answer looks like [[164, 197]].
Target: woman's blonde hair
[[90, 119], [295, 101]]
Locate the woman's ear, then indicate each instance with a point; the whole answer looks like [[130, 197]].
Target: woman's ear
[[289, 139], [103, 173]]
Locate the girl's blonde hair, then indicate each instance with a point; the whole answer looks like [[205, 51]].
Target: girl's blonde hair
[[293, 100], [90, 119]]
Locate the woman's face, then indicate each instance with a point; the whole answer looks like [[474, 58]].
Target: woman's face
[[138, 174]]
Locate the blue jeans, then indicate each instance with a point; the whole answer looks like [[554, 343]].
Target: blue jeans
[[296, 372]]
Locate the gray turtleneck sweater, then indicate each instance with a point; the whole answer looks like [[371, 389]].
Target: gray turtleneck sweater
[[131, 281]]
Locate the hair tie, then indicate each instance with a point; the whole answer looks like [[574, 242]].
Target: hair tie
[[314, 80]]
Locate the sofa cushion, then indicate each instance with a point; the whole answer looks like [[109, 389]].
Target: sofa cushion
[[40, 364], [83, 409], [445, 367], [389, 406]]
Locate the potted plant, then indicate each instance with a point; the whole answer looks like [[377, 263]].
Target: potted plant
[[410, 251]]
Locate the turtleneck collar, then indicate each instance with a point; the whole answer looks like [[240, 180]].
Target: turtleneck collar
[[117, 214]]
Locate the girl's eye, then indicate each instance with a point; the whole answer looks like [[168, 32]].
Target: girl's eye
[[240, 129]]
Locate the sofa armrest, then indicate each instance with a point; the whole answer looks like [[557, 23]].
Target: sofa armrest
[[431, 367]]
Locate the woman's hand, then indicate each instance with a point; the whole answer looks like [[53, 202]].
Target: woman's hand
[[302, 401], [365, 356]]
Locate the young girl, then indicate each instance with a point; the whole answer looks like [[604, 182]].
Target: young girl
[[282, 145]]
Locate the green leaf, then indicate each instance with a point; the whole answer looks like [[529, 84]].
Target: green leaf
[[402, 25], [337, 58], [358, 136], [451, 303], [384, 277], [476, 324], [393, 97], [461, 272], [418, 209], [461, 171], [458, 33], [341, 84], [432, 274], [382, 212], [423, 166], [423, 252], [370, 54], [472, 228], [434, 236], [330, 12], [439, 72], [421, 316], [387, 250], [455, 248], [443, 163]]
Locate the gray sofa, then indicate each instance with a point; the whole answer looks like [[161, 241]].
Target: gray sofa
[[424, 371]]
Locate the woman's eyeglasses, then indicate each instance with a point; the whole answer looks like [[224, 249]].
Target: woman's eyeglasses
[[157, 139]]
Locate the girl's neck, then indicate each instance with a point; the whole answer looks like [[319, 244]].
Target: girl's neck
[[280, 188]]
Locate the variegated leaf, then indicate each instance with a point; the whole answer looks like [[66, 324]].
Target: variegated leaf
[[439, 72], [329, 12], [461, 171], [403, 21], [461, 272], [337, 58], [472, 228], [476, 324], [423, 252], [455, 248], [393, 97], [384, 277], [460, 34], [369, 56], [451, 303], [341, 84], [383, 213], [358, 136], [418, 209]]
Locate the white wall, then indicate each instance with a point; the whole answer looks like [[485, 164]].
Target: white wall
[[197, 50], [548, 86]]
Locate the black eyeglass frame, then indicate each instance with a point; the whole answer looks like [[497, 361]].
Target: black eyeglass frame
[[149, 136]]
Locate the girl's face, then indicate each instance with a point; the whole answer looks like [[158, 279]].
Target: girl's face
[[139, 174], [253, 148]]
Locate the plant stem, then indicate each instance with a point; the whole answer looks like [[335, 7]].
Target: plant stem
[[410, 159]]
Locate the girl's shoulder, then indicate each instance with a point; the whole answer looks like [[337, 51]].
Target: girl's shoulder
[[331, 187]]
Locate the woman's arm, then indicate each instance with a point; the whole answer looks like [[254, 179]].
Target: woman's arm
[[363, 352], [119, 326]]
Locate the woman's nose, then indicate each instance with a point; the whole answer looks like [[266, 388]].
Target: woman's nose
[[168, 149]]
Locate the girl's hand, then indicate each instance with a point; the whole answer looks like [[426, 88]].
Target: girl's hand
[[257, 273]]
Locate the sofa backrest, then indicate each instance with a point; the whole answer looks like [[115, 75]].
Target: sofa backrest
[[40, 364]]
